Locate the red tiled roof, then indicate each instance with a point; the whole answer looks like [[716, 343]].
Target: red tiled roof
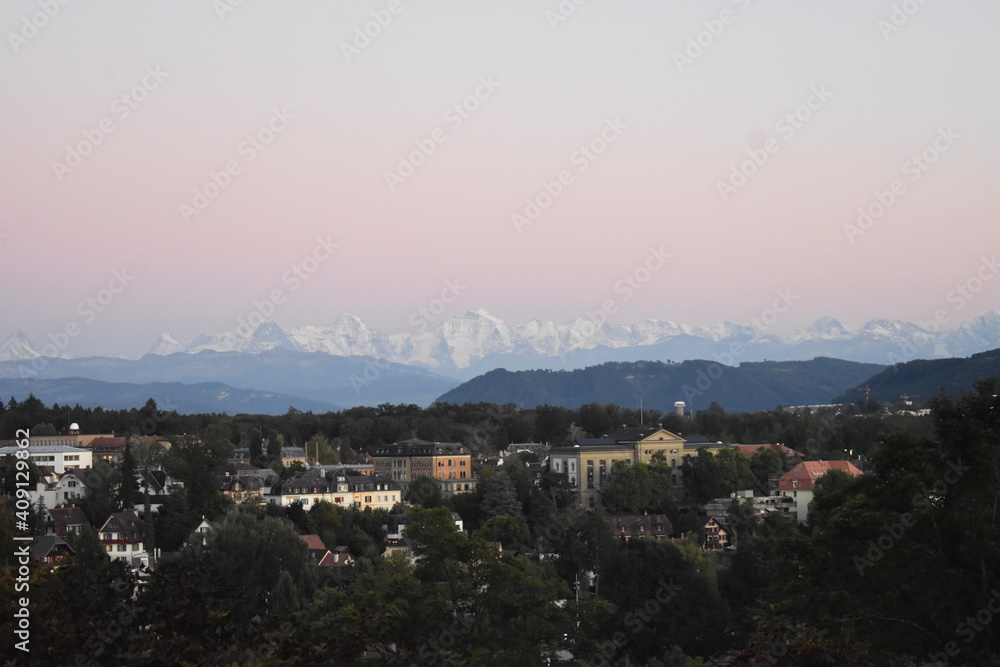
[[313, 542], [108, 444], [803, 476]]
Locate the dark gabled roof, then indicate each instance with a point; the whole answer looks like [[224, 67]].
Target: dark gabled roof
[[63, 517], [48, 545], [80, 473], [124, 522], [156, 479]]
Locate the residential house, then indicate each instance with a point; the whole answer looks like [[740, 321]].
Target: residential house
[[109, 449], [655, 527], [337, 557], [799, 483], [242, 488], [200, 533], [122, 536], [716, 535], [65, 521], [317, 550], [49, 549]]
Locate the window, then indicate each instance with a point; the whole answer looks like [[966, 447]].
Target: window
[[368, 499], [72, 457], [121, 547], [451, 463], [462, 474], [461, 463]]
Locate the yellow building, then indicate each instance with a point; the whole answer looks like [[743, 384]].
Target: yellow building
[[586, 463]]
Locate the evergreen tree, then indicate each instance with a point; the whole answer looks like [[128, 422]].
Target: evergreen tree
[[128, 495]]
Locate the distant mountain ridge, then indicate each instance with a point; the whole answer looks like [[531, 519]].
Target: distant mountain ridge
[[925, 378], [750, 387], [476, 342], [344, 381], [198, 398]]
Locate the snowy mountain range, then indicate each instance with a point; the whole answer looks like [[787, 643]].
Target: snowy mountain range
[[476, 342]]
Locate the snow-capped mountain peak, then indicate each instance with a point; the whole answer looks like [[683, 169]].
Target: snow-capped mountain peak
[[475, 337], [18, 347], [166, 344]]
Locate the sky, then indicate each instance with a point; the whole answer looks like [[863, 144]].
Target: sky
[[180, 166]]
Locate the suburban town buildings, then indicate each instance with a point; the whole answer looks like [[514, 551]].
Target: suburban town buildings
[[343, 489], [449, 463]]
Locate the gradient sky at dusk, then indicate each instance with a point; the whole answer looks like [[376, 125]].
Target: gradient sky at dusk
[[888, 96]]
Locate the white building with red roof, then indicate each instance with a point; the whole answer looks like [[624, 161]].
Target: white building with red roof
[[799, 483]]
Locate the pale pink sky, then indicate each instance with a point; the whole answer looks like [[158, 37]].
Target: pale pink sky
[[681, 130]]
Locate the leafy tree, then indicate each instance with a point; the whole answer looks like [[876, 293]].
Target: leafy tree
[[100, 500], [763, 464], [710, 476], [86, 604], [226, 587], [665, 597], [511, 532], [926, 506], [506, 611], [44, 429], [196, 463], [628, 488], [425, 491], [320, 447]]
